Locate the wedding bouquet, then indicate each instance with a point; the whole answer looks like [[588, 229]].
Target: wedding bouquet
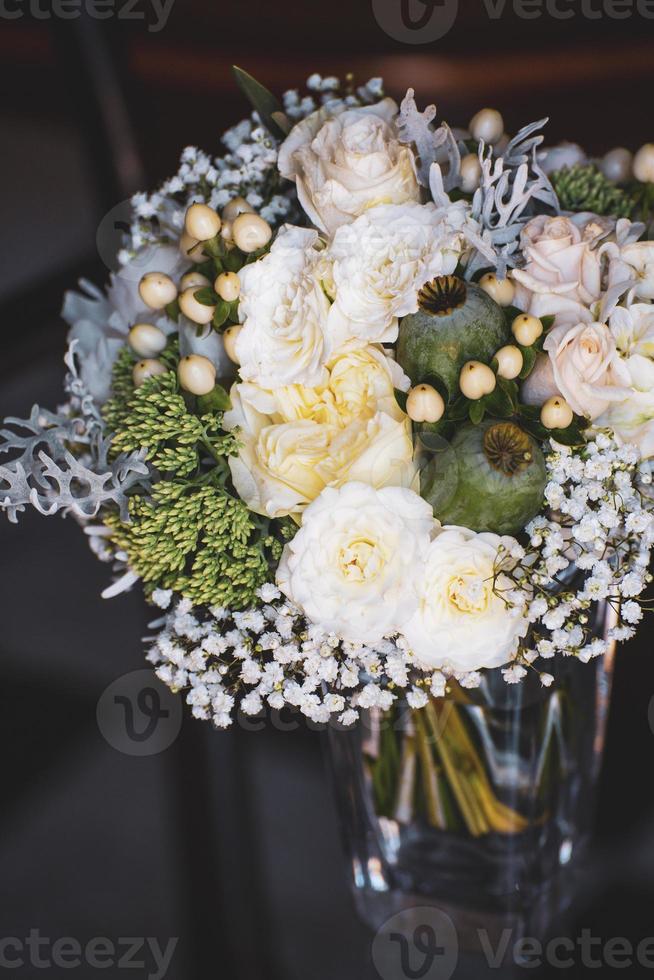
[[367, 407]]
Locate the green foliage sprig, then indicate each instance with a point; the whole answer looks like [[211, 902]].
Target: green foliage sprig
[[585, 188], [193, 534]]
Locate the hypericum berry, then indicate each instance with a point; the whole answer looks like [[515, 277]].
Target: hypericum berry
[[196, 374], [501, 290], [228, 286], [146, 340], [617, 164], [191, 248], [157, 290], [147, 368], [202, 222], [476, 380], [470, 173], [487, 125], [237, 205], [230, 337], [644, 164], [250, 232], [556, 413], [193, 280], [526, 329], [195, 311], [509, 362], [425, 404]]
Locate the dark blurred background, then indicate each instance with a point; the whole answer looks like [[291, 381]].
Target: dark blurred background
[[230, 841]]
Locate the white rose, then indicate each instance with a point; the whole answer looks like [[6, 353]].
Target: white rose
[[351, 565], [639, 257], [462, 621], [284, 313], [381, 261], [586, 367], [282, 466], [345, 161], [633, 419], [562, 274]]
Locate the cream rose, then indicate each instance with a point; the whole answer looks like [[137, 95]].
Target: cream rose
[[584, 366], [345, 161], [462, 622], [283, 465], [351, 566], [360, 383], [562, 274], [382, 259], [284, 312]]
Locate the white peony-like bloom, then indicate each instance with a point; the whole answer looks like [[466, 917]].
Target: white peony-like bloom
[[347, 160], [584, 366], [639, 257], [283, 465], [461, 621], [284, 311], [632, 419], [351, 566], [562, 274], [381, 261]]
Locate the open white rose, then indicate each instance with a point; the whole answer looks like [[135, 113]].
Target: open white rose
[[284, 313], [639, 257], [562, 271], [586, 368], [381, 261], [345, 161], [283, 465], [633, 418], [462, 622], [351, 566]]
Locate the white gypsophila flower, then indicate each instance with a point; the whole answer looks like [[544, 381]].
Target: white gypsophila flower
[[345, 161], [283, 309], [351, 565], [462, 621], [381, 261]]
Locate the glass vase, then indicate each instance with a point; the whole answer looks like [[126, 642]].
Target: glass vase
[[480, 803]]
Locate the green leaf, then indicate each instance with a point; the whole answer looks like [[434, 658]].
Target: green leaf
[[233, 261], [476, 412], [264, 102], [206, 295], [459, 409], [400, 398], [215, 401], [221, 313], [499, 403], [547, 321], [172, 311], [529, 355]]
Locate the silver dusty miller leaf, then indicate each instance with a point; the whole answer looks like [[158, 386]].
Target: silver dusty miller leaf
[[432, 145], [44, 473]]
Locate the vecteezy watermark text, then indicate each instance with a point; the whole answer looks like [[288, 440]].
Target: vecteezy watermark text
[[424, 21], [154, 13], [142, 953]]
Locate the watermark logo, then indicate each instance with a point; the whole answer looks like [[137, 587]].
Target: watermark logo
[[138, 715], [153, 13], [145, 954], [416, 21], [425, 21], [416, 944]]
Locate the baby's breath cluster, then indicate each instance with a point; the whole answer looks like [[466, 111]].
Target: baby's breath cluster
[[248, 169], [593, 545]]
